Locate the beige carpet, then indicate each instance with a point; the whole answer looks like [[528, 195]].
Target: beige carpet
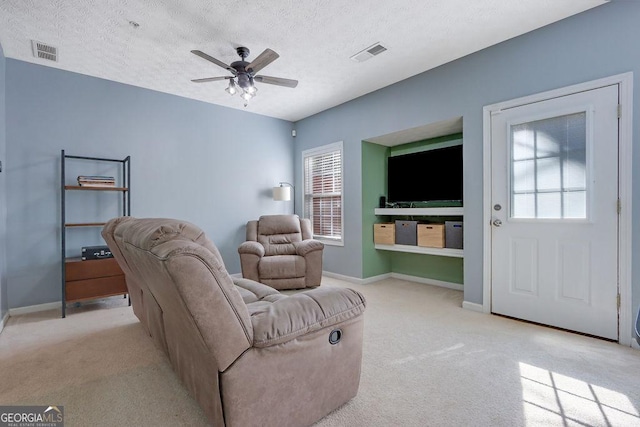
[[427, 362]]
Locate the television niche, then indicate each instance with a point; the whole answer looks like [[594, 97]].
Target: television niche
[[430, 177]]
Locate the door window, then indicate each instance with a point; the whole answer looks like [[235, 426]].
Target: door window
[[549, 168]]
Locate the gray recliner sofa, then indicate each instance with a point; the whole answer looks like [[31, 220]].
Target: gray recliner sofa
[[249, 355]]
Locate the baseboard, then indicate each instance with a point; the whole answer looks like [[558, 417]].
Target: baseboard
[[373, 279], [34, 308], [236, 275], [3, 321], [356, 280], [427, 281], [473, 306]]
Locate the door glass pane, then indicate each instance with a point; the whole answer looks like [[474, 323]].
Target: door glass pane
[[576, 203], [549, 205], [549, 168], [548, 175], [524, 176], [524, 205]]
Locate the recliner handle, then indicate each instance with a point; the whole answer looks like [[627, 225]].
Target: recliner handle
[[335, 336]]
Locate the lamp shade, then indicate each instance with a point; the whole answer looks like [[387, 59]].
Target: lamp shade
[[282, 193]]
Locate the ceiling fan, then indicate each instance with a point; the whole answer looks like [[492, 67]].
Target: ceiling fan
[[244, 73]]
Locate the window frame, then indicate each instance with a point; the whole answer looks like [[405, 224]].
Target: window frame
[[324, 149]]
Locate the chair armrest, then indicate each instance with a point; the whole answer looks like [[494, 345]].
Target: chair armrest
[[250, 247], [307, 246], [305, 312]]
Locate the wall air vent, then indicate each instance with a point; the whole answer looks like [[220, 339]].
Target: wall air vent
[[369, 52], [44, 51]]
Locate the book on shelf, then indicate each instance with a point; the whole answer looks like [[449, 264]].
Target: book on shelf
[[96, 181], [97, 184], [95, 178]]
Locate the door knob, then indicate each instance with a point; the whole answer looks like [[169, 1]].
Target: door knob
[[497, 222]]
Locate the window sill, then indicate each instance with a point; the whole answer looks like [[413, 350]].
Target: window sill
[[330, 242]]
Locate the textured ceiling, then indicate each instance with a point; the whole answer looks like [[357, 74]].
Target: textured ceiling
[[315, 40]]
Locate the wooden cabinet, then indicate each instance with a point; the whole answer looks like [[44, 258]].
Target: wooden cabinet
[[91, 279], [97, 278]]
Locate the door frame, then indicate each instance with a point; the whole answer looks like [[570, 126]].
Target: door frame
[[625, 164]]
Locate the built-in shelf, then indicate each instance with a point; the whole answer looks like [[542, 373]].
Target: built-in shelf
[[85, 224], [455, 211], [446, 211], [96, 188], [456, 253]]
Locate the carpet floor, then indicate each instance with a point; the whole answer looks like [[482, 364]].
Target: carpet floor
[[426, 362]]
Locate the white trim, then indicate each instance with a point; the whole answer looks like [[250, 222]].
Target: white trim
[[473, 306], [625, 162], [427, 281], [450, 252], [625, 82], [374, 279], [331, 242], [34, 308], [420, 211], [486, 209], [356, 280], [3, 321], [338, 145]]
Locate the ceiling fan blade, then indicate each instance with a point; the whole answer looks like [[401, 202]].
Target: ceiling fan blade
[[214, 60], [211, 79], [264, 59], [279, 81]]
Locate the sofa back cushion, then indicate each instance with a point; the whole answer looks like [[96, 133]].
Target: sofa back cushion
[[184, 272], [278, 233]]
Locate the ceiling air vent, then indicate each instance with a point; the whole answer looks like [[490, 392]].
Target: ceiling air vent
[[369, 52], [44, 51]]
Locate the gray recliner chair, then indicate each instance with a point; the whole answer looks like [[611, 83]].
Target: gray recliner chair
[[249, 355], [280, 252]]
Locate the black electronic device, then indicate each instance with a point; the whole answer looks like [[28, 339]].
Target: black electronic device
[[96, 252], [426, 176], [383, 202]]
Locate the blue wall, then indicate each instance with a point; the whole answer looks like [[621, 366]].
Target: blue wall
[[598, 43], [207, 164], [3, 195]]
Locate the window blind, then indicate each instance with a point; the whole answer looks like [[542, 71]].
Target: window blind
[[323, 192]]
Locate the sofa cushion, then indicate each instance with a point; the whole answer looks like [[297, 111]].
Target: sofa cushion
[[282, 267], [305, 312], [279, 224], [279, 233], [155, 231], [254, 292]]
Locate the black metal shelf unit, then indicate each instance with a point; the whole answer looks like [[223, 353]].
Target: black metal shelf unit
[[124, 188]]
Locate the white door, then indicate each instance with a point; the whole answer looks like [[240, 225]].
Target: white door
[[555, 212]]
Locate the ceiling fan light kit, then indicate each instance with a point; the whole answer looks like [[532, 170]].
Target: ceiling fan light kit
[[244, 73], [232, 89]]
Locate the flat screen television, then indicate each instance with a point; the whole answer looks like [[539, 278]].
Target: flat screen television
[[427, 176]]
